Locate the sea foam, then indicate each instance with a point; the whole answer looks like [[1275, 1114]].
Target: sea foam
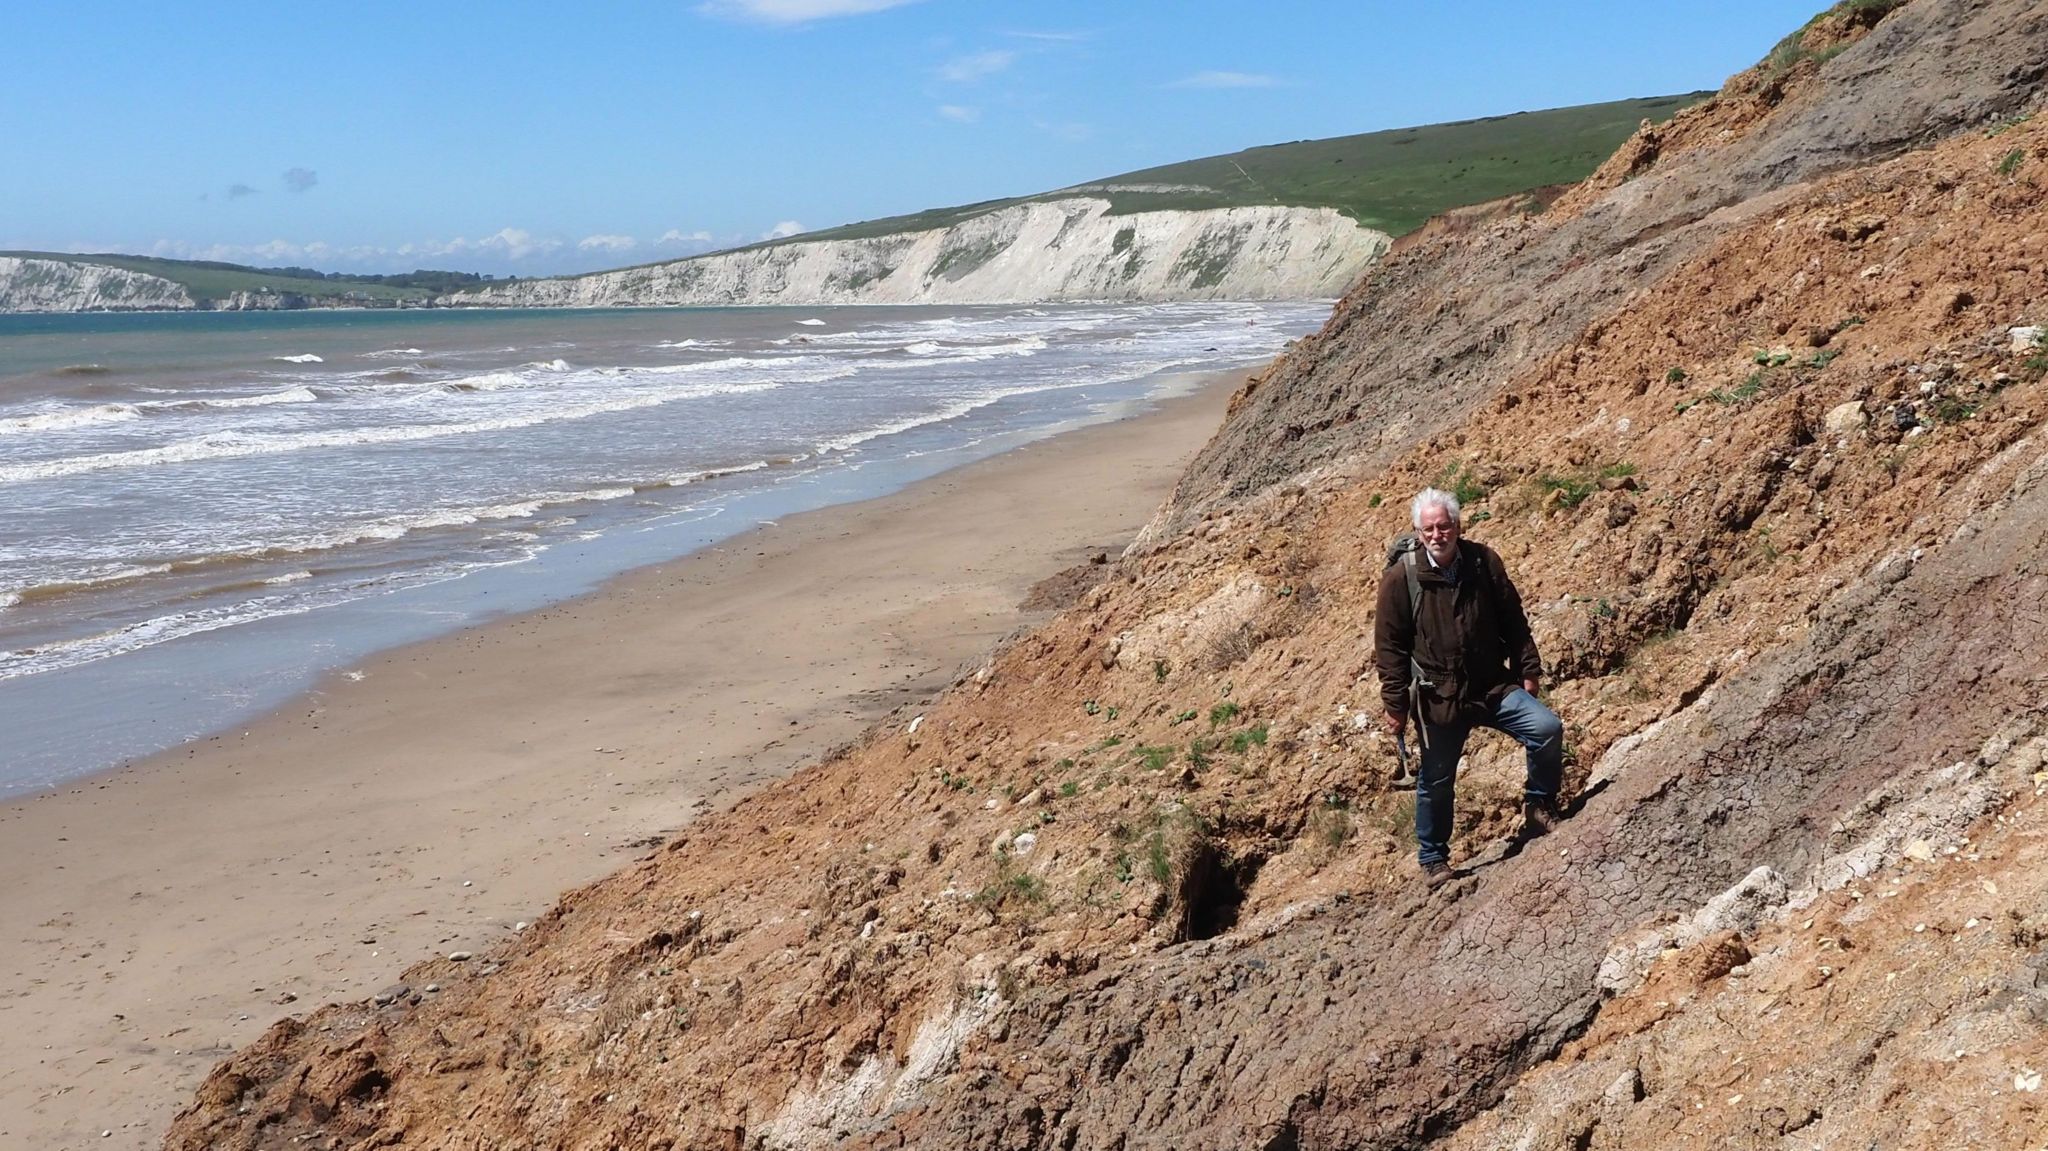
[[66, 419], [299, 395]]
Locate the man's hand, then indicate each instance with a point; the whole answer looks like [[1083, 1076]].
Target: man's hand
[[1397, 724], [1529, 685]]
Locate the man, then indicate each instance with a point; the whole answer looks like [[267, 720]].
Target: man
[[1462, 657]]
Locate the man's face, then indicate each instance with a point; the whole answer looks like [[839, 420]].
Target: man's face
[[1439, 534]]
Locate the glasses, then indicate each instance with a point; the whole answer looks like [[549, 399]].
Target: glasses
[[1441, 530]]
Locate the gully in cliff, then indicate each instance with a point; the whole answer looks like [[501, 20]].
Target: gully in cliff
[[1454, 650]]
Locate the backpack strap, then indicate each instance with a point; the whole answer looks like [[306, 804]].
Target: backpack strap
[[1414, 583], [1415, 681]]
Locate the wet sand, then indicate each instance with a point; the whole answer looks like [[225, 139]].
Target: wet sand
[[439, 795]]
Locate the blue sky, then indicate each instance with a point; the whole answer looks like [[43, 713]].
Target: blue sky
[[532, 138]]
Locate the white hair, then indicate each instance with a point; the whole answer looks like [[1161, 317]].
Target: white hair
[[1433, 497]]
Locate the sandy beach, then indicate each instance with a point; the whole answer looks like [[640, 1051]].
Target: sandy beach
[[437, 796]]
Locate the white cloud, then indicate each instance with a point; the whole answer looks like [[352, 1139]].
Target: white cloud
[[783, 230], [505, 243], [793, 11], [507, 250], [678, 236], [269, 252], [1226, 80], [959, 114], [967, 69], [607, 244], [512, 243], [286, 250], [1058, 37]]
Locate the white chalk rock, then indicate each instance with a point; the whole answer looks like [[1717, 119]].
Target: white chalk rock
[[1844, 418]]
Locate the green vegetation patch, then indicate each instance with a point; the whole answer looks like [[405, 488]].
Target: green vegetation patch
[[960, 260], [1571, 490], [1156, 758], [1750, 388], [1790, 51], [848, 279], [1395, 180], [1206, 261], [1392, 180], [1459, 480]]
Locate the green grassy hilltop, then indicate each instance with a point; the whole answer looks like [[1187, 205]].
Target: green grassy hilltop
[[1392, 180]]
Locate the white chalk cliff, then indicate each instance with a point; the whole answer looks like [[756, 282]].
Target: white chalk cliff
[[1066, 249], [30, 285]]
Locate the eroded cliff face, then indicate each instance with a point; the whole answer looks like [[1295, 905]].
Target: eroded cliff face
[[1762, 433], [30, 285], [1495, 300], [1071, 249]]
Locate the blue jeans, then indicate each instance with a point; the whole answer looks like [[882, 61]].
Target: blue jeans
[[1523, 717]]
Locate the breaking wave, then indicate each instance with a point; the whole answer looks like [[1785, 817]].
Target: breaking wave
[[299, 395], [239, 445], [65, 419]]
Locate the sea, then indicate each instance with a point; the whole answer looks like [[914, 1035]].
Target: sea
[[203, 514]]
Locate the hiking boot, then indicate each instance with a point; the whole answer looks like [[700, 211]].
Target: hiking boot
[[1435, 875], [1539, 819]]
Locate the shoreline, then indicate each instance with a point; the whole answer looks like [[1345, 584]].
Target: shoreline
[[447, 790], [231, 614]]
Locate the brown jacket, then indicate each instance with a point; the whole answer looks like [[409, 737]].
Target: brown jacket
[[1473, 644]]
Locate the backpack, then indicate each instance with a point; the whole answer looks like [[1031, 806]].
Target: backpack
[[1402, 551]]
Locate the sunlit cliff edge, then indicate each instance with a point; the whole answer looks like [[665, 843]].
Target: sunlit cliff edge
[[1070, 249]]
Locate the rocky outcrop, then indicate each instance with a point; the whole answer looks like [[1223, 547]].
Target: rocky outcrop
[[1482, 306], [1068, 249], [1138, 882], [32, 285], [275, 301]]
